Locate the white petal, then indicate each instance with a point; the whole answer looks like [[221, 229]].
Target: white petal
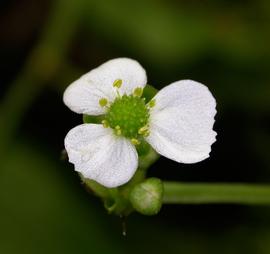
[[181, 122], [100, 155], [83, 95]]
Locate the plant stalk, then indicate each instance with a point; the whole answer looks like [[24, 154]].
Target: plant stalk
[[216, 193]]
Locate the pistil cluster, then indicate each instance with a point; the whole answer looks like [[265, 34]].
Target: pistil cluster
[[128, 115]]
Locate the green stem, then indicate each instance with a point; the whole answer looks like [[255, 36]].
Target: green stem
[[41, 66], [209, 193]]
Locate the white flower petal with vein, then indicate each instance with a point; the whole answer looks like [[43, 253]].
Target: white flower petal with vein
[[181, 122], [99, 155], [83, 95]]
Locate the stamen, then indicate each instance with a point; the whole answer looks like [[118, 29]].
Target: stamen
[[146, 134], [143, 130], [138, 91], [117, 83], [118, 130], [135, 141], [103, 102], [152, 103], [105, 123]]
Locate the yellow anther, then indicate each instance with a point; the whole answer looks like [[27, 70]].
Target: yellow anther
[[118, 130], [135, 141], [105, 123], [152, 103], [146, 134], [103, 102], [138, 91], [117, 83], [143, 130]]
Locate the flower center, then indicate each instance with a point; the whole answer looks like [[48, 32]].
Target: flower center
[[128, 116]]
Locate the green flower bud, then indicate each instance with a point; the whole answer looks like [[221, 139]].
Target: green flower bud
[[146, 197]]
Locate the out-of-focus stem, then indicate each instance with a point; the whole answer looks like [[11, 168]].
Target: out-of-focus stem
[[40, 67]]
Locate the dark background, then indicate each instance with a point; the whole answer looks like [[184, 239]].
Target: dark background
[[45, 45]]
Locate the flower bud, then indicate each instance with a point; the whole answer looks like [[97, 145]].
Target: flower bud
[[146, 197]]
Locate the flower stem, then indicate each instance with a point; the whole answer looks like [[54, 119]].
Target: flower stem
[[210, 193]]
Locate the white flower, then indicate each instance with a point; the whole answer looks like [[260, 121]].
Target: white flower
[[177, 122]]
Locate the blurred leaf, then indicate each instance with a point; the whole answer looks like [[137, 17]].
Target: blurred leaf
[[41, 213], [168, 33]]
